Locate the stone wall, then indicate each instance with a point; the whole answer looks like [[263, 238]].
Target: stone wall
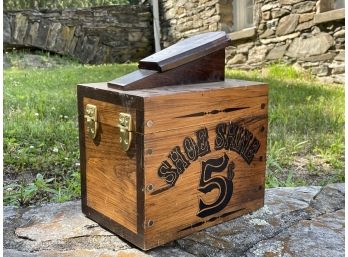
[[92, 35], [290, 31], [181, 18]]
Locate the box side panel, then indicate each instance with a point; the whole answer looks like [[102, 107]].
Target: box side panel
[[109, 176], [110, 172], [208, 171]]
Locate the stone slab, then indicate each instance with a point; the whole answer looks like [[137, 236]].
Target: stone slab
[[245, 33], [325, 233], [293, 222], [279, 39], [340, 56], [329, 16], [287, 24], [277, 53], [304, 7], [314, 45], [237, 59]]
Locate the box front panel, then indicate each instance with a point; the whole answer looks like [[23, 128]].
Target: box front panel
[[110, 172], [210, 170]]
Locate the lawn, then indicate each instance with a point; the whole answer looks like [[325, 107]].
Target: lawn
[[41, 154], [306, 127]]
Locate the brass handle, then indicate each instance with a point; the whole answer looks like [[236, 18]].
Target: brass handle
[[125, 125], [91, 120]]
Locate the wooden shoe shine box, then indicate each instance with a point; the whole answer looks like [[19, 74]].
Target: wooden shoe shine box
[[173, 147]]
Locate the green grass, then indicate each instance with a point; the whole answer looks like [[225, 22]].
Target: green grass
[[306, 127], [53, 4], [305, 145], [40, 125]]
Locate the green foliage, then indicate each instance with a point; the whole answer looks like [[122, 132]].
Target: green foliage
[[306, 128], [43, 190], [306, 125], [41, 115], [40, 125], [289, 181], [60, 4]]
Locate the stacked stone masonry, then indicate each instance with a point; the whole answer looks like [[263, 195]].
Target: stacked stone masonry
[[300, 32], [181, 18], [92, 35], [289, 31]]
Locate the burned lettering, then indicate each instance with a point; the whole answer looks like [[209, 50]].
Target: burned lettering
[[167, 172], [191, 148], [252, 150], [229, 136], [202, 142], [220, 136], [178, 159], [232, 130]]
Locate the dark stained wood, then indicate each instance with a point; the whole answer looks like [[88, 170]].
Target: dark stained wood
[[140, 173], [81, 122], [210, 68], [101, 92], [135, 98], [198, 59], [186, 51]]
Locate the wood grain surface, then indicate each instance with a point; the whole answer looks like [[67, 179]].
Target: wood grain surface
[[133, 98], [195, 108], [198, 59], [110, 172], [173, 212], [186, 51], [209, 68], [128, 189]]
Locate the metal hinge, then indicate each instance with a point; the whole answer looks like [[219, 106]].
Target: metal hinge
[[92, 122], [126, 127]]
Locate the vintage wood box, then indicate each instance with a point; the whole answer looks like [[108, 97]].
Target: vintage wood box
[[172, 148]]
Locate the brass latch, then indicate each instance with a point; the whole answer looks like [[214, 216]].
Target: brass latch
[[125, 125], [91, 117]]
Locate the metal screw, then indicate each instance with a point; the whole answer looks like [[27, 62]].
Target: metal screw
[[150, 223], [149, 187], [149, 123]]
